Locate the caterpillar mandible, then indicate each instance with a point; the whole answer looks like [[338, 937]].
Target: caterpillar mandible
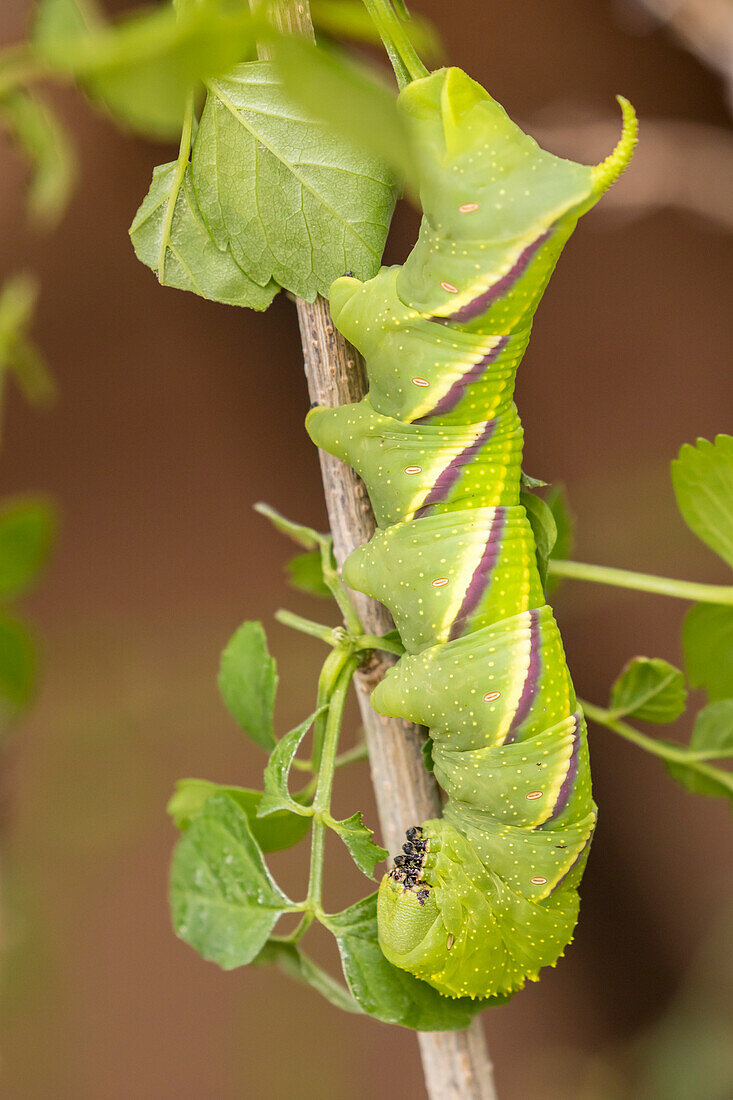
[[485, 896]]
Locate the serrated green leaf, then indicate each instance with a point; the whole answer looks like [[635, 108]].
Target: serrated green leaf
[[248, 682], [293, 202], [543, 526], [277, 796], [293, 962], [713, 732], [305, 572], [707, 640], [358, 839], [169, 236], [142, 69], [224, 901], [280, 830], [649, 689], [307, 537], [40, 136], [27, 530], [702, 477], [350, 99], [385, 992]]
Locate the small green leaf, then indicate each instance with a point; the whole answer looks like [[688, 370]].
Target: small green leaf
[[702, 477], [18, 353], [248, 682], [294, 202], [27, 531], [385, 992], [293, 962], [169, 236], [38, 133], [305, 572], [528, 482], [277, 796], [281, 829], [559, 505], [17, 667], [713, 732], [306, 537], [358, 839], [543, 526], [224, 901], [650, 690], [707, 639]]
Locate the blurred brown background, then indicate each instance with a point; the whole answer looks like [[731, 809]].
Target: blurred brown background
[[174, 416]]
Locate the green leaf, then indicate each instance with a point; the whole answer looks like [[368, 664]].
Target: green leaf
[[650, 690], [248, 682], [528, 482], [37, 132], [169, 236], [18, 353], [305, 572], [543, 526], [277, 796], [427, 754], [707, 640], [350, 99], [27, 531], [384, 991], [713, 732], [358, 839], [144, 68], [17, 667], [559, 505], [307, 537], [294, 202], [280, 830], [702, 477], [293, 962], [224, 901]]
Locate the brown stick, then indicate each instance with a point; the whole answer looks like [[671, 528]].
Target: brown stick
[[455, 1063]]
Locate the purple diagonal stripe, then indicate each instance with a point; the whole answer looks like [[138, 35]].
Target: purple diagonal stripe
[[531, 680], [571, 775], [449, 476], [481, 303], [481, 574], [449, 401]]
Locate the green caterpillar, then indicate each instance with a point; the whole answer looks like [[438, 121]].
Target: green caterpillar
[[485, 896]]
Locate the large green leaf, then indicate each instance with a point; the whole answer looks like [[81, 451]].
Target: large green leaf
[[273, 833], [170, 237], [143, 68], [292, 200], [383, 990], [248, 682], [649, 689], [224, 901], [707, 639], [27, 529], [702, 477]]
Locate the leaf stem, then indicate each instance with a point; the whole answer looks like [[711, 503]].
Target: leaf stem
[[373, 641], [184, 155], [306, 626], [403, 55], [666, 751], [353, 756], [643, 582]]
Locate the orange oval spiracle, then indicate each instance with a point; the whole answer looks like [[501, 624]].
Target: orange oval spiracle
[[538, 881], [439, 582], [468, 208], [534, 794], [413, 469], [449, 288], [420, 382], [491, 695]]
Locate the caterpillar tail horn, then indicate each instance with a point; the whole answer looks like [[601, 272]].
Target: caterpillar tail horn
[[609, 170]]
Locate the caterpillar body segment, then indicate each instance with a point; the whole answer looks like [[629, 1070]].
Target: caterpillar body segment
[[484, 897]]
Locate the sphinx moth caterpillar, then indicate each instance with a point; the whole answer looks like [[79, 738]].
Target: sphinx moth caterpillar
[[482, 898]]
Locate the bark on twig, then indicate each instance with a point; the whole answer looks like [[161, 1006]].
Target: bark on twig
[[456, 1064]]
